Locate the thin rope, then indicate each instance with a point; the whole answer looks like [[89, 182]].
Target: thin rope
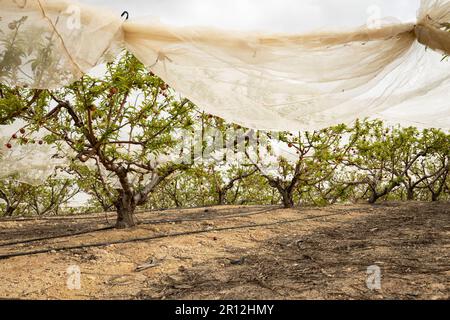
[[60, 37]]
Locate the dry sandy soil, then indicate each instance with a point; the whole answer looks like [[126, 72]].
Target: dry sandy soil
[[233, 253]]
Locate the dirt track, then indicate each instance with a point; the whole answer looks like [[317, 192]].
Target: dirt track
[[235, 253]]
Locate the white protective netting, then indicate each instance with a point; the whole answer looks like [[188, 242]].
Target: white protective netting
[[259, 80], [264, 81], [30, 163]]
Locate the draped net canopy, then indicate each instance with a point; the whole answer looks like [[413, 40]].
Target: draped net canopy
[[264, 81]]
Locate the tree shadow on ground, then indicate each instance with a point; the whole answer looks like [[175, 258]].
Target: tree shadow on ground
[[408, 241]]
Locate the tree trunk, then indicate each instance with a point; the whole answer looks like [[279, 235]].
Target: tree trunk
[[434, 196], [221, 198], [288, 201], [175, 195], [373, 197], [9, 210], [177, 202], [410, 194], [125, 207], [377, 195]]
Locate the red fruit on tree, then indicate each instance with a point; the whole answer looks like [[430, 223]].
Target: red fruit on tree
[[8, 145], [41, 142], [14, 136], [290, 145], [22, 130]]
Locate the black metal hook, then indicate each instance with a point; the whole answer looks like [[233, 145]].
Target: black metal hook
[[125, 13]]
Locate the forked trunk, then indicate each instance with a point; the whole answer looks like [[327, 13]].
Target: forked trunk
[[373, 197]]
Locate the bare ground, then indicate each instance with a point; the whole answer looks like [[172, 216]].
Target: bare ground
[[233, 252]]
